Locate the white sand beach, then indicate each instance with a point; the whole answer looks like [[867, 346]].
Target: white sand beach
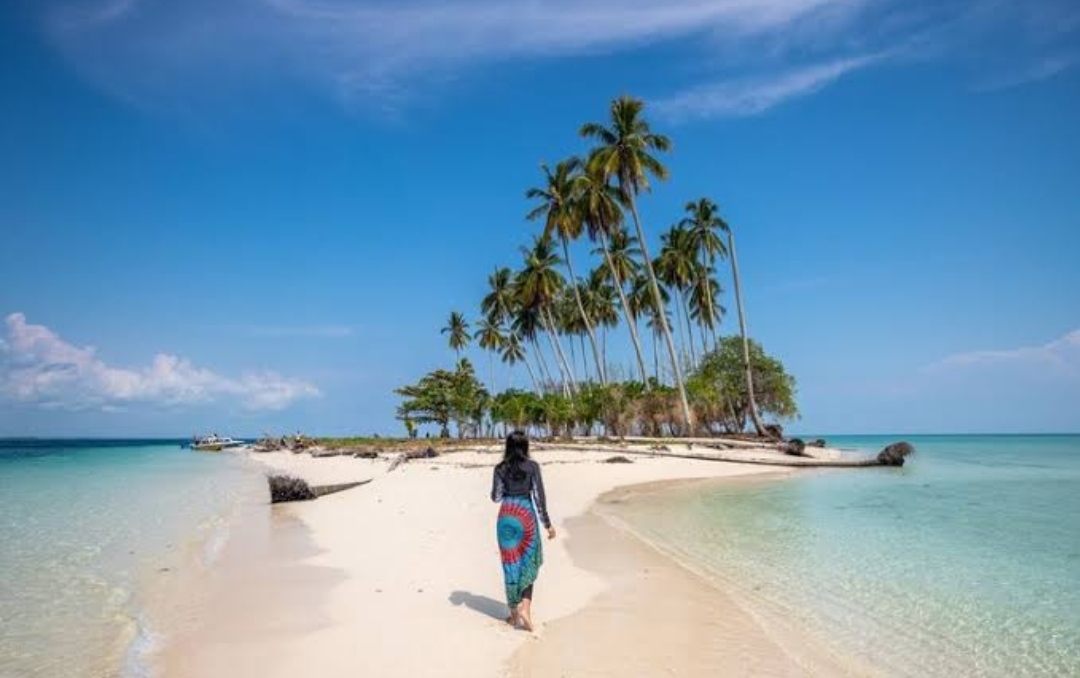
[[401, 577]]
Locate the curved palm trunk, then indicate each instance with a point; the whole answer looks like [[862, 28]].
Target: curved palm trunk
[[680, 340], [704, 339], [712, 311], [541, 362], [630, 321], [585, 360], [688, 417], [532, 375], [689, 331], [584, 316], [656, 353], [568, 372], [758, 427]]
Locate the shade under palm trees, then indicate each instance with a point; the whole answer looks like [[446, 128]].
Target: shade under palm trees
[[624, 155]]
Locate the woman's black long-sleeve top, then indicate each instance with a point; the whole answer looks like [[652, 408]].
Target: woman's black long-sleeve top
[[524, 481]]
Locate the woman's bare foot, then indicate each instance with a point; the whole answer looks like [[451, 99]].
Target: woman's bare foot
[[526, 623], [524, 614]]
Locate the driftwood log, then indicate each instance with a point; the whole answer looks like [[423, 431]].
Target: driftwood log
[[285, 488], [412, 454]]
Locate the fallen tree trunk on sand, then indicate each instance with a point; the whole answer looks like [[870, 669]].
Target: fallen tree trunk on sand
[[284, 488], [429, 453]]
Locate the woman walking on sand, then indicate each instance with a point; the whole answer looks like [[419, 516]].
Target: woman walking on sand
[[517, 483]]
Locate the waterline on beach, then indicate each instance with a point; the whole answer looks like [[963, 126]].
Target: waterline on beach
[[961, 563], [96, 533]]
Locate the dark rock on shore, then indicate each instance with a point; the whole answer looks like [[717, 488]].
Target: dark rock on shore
[[618, 459], [795, 447], [820, 442], [894, 454]]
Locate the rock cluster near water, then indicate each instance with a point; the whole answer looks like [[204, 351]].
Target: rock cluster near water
[[894, 454]]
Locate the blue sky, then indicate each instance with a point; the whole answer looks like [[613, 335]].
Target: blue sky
[[256, 215]]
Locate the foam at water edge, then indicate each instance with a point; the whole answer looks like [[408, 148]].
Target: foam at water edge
[[215, 541], [137, 660]]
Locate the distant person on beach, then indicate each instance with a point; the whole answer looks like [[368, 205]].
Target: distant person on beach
[[518, 484]]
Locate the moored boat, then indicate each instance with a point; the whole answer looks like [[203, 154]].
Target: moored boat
[[214, 443]]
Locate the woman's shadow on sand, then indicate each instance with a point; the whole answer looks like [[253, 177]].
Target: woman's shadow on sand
[[496, 609]]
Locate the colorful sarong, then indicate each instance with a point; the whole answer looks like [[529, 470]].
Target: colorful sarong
[[519, 546]]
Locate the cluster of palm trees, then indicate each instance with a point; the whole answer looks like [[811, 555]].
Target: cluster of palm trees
[[595, 197]]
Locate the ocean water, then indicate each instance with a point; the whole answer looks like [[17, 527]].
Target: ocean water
[[966, 562], [87, 528]]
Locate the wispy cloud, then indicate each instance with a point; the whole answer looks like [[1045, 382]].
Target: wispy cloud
[[1043, 69], [1061, 355], [165, 48], [753, 96], [38, 367], [377, 51], [311, 331]]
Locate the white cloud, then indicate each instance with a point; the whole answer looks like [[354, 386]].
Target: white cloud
[[166, 48], [37, 366], [1060, 357], [375, 53], [750, 97]]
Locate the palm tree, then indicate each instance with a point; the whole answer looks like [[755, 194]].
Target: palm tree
[[624, 155], [653, 323], [705, 309], [754, 415], [558, 210], [705, 225], [500, 306], [644, 306], [572, 324], [490, 338], [601, 300], [513, 352], [458, 329], [677, 268], [601, 209], [537, 286], [526, 324]]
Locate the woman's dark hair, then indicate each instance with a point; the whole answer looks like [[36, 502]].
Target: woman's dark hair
[[517, 452]]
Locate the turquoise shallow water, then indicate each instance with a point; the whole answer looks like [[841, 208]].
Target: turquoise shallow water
[[964, 563], [85, 526]]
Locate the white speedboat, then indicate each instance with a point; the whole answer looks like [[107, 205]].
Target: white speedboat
[[215, 443]]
